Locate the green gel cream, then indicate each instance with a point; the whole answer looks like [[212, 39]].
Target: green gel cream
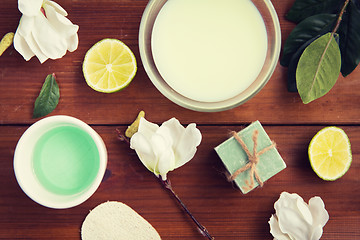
[[66, 160], [234, 157]]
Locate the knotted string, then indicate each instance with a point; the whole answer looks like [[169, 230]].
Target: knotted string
[[253, 159]]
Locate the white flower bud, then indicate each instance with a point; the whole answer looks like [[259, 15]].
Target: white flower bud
[[296, 220], [44, 31], [162, 149]]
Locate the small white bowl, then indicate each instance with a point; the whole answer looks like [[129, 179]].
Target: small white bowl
[[23, 163]]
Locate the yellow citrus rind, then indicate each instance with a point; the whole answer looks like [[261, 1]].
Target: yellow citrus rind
[[109, 66], [330, 153]]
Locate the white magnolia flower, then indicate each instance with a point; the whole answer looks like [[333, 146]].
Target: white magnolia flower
[[44, 30], [296, 220], [162, 149]]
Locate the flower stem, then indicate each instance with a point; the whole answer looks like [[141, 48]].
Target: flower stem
[[122, 137], [167, 185]]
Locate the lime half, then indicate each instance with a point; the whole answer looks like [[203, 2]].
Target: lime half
[[109, 66], [330, 153]]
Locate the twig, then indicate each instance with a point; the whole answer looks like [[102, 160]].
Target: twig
[[122, 137], [167, 185], [338, 21], [340, 16]]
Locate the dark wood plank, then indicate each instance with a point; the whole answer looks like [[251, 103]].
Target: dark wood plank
[[21, 81], [201, 184]]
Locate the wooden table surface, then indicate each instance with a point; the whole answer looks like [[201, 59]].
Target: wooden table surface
[[216, 203]]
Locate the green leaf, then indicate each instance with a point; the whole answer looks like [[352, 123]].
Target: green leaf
[[357, 4], [48, 98], [310, 28], [349, 32], [302, 9], [318, 68], [291, 79]]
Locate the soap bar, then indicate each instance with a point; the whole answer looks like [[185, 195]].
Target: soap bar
[[234, 157]]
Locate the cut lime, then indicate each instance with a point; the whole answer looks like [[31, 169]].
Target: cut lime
[[109, 66], [330, 153]]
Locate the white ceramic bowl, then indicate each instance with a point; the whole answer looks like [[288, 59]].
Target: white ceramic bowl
[[272, 25], [23, 163]]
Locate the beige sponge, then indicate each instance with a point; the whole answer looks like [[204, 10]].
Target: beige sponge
[[115, 220]]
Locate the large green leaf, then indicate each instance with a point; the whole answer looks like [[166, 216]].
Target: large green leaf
[[349, 32], [318, 68], [302, 9], [48, 98], [310, 28]]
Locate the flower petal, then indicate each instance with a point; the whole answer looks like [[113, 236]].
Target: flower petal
[[147, 128], [25, 25], [169, 143], [290, 220], [56, 6], [48, 40], [167, 134], [303, 209], [187, 146], [184, 140], [317, 233], [35, 48], [72, 42], [166, 163], [159, 144], [299, 220], [143, 149], [176, 129], [22, 47], [275, 229], [318, 211], [30, 8], [62, 25], [291, 223], [163, 153]]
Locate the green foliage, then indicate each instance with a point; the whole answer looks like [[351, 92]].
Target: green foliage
[[316, 19], [306, 8], [48, 98], [318, 68], [349, 32], [311, 28]]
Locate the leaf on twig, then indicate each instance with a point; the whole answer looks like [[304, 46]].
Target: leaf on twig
[[318, 68], [48, 98], [349, 32], [306, 8], [310, 28]]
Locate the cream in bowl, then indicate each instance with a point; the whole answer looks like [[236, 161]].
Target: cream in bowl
[[59, 161], [209, 55]]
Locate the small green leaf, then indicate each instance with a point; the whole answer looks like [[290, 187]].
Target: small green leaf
[[48, 98], [310, 28], [306, 8], [318, 68], [349, 32]]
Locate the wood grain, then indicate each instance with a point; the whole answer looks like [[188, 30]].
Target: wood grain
[[21, 81], [201, 184]]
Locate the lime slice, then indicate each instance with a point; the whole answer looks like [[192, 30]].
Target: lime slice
[[330, 153], [109, 66]]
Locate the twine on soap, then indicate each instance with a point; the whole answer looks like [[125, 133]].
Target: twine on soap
[[253, 159]]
